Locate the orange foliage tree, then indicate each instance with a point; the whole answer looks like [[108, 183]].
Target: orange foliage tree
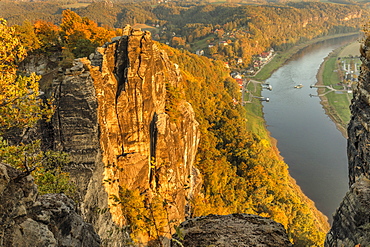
[[47, 33], [81, 35]]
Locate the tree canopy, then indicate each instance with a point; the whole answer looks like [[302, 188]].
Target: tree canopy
[[20, 104]]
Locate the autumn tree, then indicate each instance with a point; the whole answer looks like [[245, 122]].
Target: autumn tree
[[27, 36], [178, 41], [81, 35], [20, 105], [47, 33]]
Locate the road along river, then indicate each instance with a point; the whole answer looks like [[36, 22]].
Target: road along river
[[307, 139]]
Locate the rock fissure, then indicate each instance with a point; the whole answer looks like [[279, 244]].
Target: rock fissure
[[121, 66], [120, 130], [153, 145], [58, 95], [121, 72]]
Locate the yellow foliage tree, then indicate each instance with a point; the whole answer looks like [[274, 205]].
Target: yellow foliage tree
[[47, 33], [20, 105]]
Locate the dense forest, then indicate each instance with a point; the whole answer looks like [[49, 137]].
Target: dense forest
[[242, 171], [227, 32]]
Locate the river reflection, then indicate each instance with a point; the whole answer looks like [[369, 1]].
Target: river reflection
[[307, 139]]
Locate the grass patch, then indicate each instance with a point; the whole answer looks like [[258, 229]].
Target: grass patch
[[255, 121], [336, 104], [202, 43], [351, 50], [277, 61], [329, 76], [340, 103]]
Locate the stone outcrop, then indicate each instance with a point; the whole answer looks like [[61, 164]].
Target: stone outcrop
[[112, 119], [359, 127], [41, 63], [231, 230], [351, 224], [27, 219]]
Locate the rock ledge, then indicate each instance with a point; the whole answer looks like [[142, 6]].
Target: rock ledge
[[231, 230]]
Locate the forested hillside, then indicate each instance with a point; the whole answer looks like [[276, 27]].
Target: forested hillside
[[242, 172], [223, 31]]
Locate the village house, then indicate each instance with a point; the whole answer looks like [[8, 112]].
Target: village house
[[199, 52], [223, 43]]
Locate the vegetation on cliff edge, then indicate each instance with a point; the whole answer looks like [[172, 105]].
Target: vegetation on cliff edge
[[242, 172]]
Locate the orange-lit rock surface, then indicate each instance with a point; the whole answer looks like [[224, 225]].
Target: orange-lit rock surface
[[112, 119]]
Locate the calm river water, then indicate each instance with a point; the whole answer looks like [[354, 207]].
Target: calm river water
[[307, 139]]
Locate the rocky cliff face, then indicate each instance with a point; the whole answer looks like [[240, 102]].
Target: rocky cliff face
[[112, 119], [27, 219], [351, 224]]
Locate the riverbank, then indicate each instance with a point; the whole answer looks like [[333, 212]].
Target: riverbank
[[329, 110], [255, 116], [281, 58], [339, 116]]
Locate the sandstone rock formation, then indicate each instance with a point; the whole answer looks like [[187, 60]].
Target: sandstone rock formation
[[27, 219], [112, 119], [351, 224], [231, 230]]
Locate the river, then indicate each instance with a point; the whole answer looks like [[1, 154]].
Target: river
[[313, 148]]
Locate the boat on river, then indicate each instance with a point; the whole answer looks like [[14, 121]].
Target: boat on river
[[298, 86]]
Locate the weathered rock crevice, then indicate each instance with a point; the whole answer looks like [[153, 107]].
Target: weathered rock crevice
[[120, 70]]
